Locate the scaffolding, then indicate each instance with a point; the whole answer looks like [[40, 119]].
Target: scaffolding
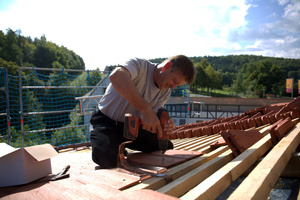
[[40, 106]]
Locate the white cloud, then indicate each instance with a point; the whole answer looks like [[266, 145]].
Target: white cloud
[[282, 2], [273, 15], [292, 11], [255, 45]]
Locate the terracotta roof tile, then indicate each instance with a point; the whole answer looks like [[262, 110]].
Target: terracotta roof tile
[[278, 115]]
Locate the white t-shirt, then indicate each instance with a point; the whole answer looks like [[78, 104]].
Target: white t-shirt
[[113, 105]]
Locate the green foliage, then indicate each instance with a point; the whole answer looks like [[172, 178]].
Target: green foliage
[[94, 78], [201, 77], [12, 67], [206, 76], [18, 50], [157, 60], [214, 78], [10, 50], [254, 79], [110, 68], [249, 75], [15, 51], [228, 78], [37, 101], [234, 63], [225, 92], [70, 135], [294, 74], [33, 105], [15, 137], [29, 139]]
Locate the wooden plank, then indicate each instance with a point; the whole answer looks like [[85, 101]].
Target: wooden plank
[[269, 169], [33, 191], [175, 172], [198, 142], [185, 141], [172, 157], [207, 149], [208, 143], [265, 130], [83, 170], [90, 191], [291, 170], [145, 194], [203, 143], [194, 177], [214, 185]]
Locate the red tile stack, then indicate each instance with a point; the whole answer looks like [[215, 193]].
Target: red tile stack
[[279, 116]]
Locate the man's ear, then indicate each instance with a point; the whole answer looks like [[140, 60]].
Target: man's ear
[[168, 65]]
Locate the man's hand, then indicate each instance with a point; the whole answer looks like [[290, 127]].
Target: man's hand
[[151, 122]]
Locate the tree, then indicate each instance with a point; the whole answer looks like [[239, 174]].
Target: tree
[[110, 68], [238, 85], [204, 63], [71, 135], [294, 74], [2, 40], [268, 76], [206, 76], [256, 77], [201, 77], [44, 55], [228, 78], [214, 78], [12, 67], [28, 50], [10, 50], [277, 80]]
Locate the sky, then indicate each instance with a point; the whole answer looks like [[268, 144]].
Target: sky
[[108, 32]]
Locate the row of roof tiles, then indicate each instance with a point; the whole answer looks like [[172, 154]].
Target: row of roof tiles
[[239, 132]]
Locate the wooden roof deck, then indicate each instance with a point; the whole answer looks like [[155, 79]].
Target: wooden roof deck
[[203, 177]]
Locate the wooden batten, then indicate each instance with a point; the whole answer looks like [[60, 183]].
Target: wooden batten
[[269, 169], [214, 185]]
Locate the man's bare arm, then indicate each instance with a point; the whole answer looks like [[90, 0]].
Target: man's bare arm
[[121, 81]]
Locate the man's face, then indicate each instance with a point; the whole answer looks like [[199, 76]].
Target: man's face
[[171, 80]]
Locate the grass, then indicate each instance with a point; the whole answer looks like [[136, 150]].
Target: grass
[[217, 93]]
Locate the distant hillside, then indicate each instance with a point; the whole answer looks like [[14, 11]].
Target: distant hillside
[[17, 50], [233, 63]]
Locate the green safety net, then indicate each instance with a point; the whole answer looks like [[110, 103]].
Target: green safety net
[[46, 111]]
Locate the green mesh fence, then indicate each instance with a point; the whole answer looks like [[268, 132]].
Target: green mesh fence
[[46, 111]]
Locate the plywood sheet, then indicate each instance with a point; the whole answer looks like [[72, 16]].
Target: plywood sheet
[[171, 158], [82, 174]]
